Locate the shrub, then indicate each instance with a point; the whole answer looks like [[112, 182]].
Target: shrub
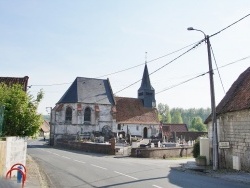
[[196, 149]]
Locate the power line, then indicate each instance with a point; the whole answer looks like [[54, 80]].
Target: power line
[[123, 70], [229, 25], [165, 64], [147, 61], [182, 82], [217, 69], [202, 74]]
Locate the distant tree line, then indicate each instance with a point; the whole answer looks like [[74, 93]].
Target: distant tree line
[[193, 117]]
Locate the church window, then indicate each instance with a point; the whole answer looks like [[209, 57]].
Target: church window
[[68, 115], [119, 126], [87, 115]]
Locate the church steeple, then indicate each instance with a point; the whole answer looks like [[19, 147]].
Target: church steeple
[[146, 92]]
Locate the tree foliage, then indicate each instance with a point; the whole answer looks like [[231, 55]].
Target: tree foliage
[[20, 114], [187, 116], [197, 125]]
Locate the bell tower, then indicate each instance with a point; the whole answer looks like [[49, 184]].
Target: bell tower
[[146, 92]]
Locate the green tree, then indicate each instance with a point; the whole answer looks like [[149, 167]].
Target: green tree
[[164, 113], [197, 125], [176, 117], [20, 114]]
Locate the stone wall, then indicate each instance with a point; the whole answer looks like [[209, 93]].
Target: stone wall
[[234, 127], [162, 152], [86, 146]]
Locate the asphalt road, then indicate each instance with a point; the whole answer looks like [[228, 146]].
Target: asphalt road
[[69, 169]]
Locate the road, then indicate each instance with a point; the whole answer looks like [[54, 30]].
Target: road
[[71, 169]]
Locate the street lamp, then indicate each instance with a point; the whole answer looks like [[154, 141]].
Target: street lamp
[[214, 121]]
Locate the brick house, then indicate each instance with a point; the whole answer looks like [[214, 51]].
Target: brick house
[[90, 106], [233, 124]]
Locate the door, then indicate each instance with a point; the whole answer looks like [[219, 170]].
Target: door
[[145, 132]]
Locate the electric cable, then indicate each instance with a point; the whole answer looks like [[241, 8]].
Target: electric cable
[[217, 69]]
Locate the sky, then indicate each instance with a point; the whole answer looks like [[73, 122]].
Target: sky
[[53, 42]]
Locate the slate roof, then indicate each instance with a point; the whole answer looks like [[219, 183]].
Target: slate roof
[[23, 81], [238, 96], [89, 90], [145, 84], [131, 111]]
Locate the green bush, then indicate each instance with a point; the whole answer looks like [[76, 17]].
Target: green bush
[[196, 149]]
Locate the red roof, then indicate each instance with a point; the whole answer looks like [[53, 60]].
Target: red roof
[[45, 126], [15, 80], [132, 111], [238, 96], [176, 127]]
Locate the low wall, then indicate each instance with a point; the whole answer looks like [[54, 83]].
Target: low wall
[[86, 146], [13, 150], [162, 152]]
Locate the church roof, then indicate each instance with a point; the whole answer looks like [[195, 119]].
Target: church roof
[[131, 111], [89, 90], [23, 81], [145, 84], [238, 96]]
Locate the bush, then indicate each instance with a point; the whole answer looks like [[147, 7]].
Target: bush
[[196, 149]]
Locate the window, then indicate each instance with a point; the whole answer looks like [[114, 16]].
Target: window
[[119, 126], [68, 115], [137, 127], [87, 115]]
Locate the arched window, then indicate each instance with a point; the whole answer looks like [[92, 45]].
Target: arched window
[[87, 115], [68, 115]]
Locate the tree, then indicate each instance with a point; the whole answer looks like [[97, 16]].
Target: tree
[[197, 125], [20, 114], [164, 113], [176, 118]]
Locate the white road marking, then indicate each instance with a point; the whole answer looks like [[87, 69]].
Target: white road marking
[[79, 161], [126, 175], [65, 157], [156, 186], [99, 167]]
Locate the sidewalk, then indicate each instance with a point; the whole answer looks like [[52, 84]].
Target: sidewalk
[[227, 174], [35, 176]]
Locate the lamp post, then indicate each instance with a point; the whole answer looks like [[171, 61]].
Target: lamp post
[[214, 121]]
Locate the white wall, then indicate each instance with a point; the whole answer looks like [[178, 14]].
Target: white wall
[[16, 150]]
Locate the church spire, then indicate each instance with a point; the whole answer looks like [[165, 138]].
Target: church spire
[[146, 92]]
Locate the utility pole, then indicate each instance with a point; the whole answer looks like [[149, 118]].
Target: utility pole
[[214, 120], [213, 107]]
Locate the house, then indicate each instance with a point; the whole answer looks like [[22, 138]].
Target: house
[[233, 125], [23, 81], [44, 129], [89, 106]]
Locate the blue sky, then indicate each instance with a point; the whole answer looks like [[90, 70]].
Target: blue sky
[[53, 42]]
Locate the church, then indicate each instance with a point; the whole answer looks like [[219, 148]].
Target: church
[[89, 106]]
